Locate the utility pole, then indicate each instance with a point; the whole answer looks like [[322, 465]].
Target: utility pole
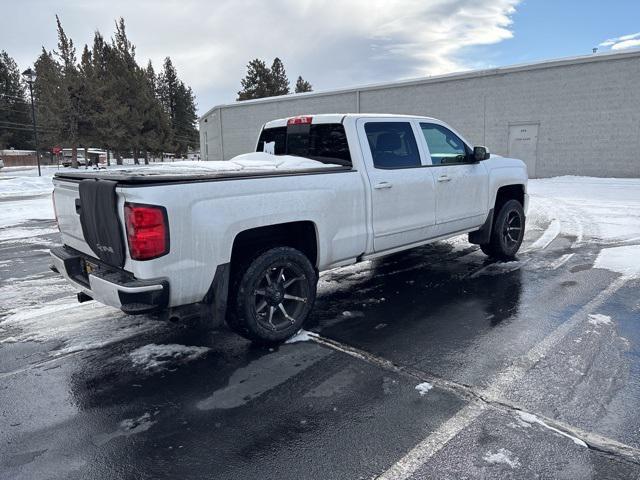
[[30, 76]]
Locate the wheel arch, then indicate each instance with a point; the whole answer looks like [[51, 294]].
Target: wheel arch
[[301, 235], [514, 191]]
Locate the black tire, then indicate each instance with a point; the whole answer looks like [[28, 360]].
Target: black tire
[[507, 232], [272, 295]]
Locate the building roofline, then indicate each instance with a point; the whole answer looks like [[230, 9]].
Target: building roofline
[[559, 62]]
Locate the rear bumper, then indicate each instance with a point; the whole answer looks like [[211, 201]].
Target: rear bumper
[[108, 285]]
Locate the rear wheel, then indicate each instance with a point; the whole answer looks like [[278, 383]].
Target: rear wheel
[[272, 295], [507, 232]]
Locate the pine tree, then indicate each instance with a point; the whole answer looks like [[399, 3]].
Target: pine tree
[[48, 93], [127, 80], [178, 102], [70, 95], [279, 83], [15, 114], [303, 86], [107, 107], [185, 134], [257, 82]]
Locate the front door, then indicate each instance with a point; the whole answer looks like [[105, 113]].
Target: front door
[[462, 185], [402, 186]]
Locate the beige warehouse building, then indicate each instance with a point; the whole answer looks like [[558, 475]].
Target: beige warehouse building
[[575, 116]]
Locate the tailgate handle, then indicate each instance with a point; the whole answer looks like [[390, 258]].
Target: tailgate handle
[[78, 207]]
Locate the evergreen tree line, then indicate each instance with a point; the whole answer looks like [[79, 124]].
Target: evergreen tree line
[[262, 81], [104, 99]]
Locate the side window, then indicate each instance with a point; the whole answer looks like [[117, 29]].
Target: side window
[[278, 135], [392, 145], [445, 146]]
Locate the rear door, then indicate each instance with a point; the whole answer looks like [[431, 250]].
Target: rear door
[[462, 185], [402, 187]]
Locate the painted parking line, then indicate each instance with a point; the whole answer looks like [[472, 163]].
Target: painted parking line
[[493, 395]]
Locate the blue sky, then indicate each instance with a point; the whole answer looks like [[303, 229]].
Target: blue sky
[[545, 29], [331, 43]]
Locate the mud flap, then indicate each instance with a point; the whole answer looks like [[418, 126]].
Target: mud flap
[[483, 235], [100, 222]]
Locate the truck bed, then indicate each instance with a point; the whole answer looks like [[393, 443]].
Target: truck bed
[[244, 166]]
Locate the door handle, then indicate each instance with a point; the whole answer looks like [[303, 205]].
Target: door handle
[[444, 178], [383, 185]]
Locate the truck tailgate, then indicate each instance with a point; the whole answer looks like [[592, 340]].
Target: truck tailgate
[[88, 218]]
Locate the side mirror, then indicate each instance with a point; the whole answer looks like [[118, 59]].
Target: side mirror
[[481, 153]]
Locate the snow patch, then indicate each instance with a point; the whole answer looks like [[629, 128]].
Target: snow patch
[[624, 260], [549, 235], [423, 388], [598, 319], [532, 419], [603, 208], [127, 427], [18, 185], [302, 336], [248, 162], [502, 456], [157, 357], [498, 268]]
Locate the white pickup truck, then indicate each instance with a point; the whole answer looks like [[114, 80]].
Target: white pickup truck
[[245, 240]]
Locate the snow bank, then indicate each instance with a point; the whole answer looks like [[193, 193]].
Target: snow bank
[[157, 357], [604, 208], [18, 206], [15, 212], [21, 185]]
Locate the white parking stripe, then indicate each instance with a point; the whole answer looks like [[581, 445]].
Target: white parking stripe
[[422, 452], [428, 447]]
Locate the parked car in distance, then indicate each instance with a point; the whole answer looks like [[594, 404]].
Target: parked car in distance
[[246, 244]]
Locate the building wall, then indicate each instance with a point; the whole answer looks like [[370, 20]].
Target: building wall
[[587, 112]]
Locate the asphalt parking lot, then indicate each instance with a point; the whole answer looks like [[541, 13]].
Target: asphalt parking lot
[[432, 363]]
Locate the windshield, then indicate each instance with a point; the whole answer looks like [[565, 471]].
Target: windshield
[[325, 142]]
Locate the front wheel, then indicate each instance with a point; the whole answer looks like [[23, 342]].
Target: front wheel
[[273, 295], [507, 232]]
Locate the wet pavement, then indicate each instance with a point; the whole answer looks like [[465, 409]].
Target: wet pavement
[[526, 369]]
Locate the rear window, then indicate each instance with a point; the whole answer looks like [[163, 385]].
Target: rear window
[[324, 142]]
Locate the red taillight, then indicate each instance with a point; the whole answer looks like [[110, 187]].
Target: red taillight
[[147, 231], [302, 120]]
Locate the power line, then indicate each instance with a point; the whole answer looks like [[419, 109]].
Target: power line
[[30, 125], [22, 99], [14, 110], [25, 129]]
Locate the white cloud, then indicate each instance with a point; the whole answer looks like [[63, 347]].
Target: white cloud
[[332, 43], [622, 42]]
